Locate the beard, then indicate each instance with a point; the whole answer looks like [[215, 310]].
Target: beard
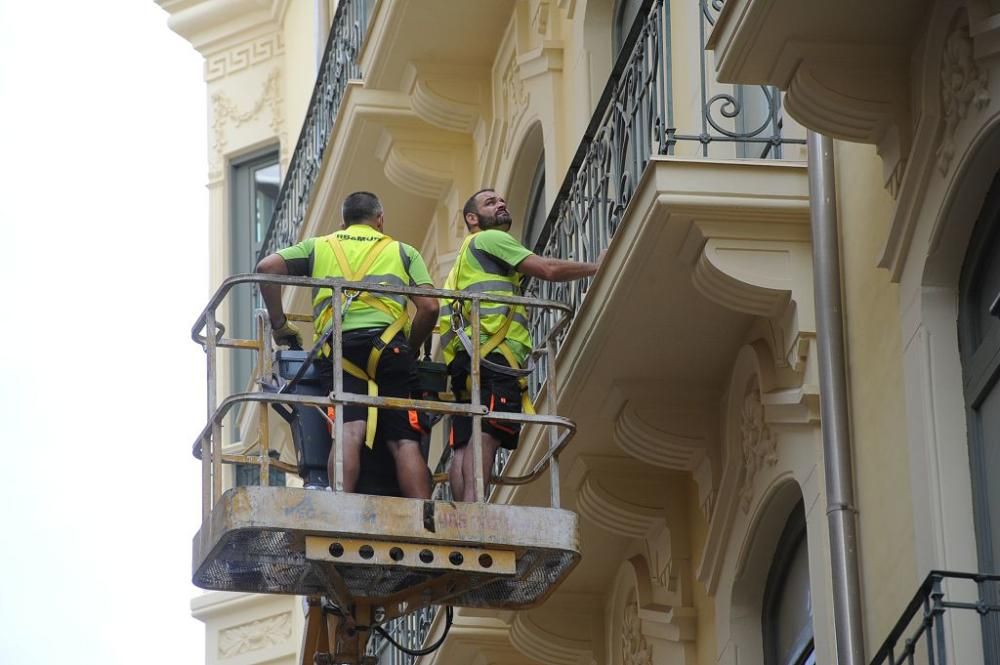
[[501, 220]]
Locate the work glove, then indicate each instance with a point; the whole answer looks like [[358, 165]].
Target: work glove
[[287, 335]]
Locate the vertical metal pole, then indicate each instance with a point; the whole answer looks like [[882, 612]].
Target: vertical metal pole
[[207, 454], [937, 597], [552, 392], [264, 431], [336, 346], [216, 442], [475, 400], [841, 511]]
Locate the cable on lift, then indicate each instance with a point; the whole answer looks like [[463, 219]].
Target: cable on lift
[[331, 608], [449, 614]]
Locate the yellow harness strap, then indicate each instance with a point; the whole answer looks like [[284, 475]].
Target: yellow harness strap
[[498, 342], [387, 335]]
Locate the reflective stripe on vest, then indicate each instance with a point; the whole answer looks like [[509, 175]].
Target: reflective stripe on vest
[[388, 268], [477, 272]]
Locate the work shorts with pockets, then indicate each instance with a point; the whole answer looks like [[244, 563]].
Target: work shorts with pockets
[[500, 392], [396, 376]]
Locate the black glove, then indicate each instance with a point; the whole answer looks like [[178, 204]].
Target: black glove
[[287, 335]]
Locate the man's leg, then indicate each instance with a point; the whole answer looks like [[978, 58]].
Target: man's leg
[[456, 474], [490, 445], [354, 437], [411, 468]]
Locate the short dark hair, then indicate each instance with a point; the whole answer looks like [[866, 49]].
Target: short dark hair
[[360, 207], [471, 206]]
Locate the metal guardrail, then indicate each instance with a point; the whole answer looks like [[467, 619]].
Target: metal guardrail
[[212, 456], [922, 624]]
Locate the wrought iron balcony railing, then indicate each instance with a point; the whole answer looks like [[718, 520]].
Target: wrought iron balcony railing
[[338, 66], [633, 121], [921, 628]]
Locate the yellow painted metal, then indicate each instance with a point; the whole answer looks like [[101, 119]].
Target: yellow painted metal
[[425, 555]]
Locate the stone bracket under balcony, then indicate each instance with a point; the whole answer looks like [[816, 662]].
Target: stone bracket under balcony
[[844, 66]]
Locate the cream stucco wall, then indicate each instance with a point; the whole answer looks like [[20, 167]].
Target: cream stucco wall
[[875, 374]]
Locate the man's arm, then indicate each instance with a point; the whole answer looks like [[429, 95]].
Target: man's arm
[[423, 321], [557, 270], [273, 264]]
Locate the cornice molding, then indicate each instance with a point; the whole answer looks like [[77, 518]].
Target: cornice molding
[[214, 25]]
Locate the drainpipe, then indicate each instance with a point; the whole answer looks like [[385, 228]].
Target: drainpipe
[[841, 512]]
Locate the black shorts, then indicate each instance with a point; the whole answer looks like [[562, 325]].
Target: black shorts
[[396, 376], [499, 392]]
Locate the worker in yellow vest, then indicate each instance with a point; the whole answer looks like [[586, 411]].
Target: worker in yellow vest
[[492, 261], [379, 341]]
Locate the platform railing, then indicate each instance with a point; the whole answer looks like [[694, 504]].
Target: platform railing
[[208, 445]]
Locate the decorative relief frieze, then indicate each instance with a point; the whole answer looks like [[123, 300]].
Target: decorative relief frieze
[[243, 56], [514, 101], [226, 113], [255, 635], [963, 85], [758, 442], [635, 650]]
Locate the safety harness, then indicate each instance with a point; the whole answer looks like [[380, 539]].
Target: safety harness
[[496, 342], [349, 296]]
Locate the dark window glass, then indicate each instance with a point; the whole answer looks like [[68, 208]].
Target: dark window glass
[[535, 213], [979, 344], [255, 185], [787, 615], [626, 12]]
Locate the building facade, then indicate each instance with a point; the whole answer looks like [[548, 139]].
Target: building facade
[[672, 134]]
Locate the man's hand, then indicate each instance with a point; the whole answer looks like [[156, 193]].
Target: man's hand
[[287, 335]]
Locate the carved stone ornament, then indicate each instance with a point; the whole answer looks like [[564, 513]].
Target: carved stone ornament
[[758, 443], [963, 84], [255, 635], [514, 98], [225, 112], [635, 651]]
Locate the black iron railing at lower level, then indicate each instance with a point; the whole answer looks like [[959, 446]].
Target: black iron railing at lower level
[[920, 633]]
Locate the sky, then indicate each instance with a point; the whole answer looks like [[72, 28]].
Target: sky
[[104, 226]]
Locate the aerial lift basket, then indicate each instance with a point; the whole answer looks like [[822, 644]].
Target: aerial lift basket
[[369, 558]]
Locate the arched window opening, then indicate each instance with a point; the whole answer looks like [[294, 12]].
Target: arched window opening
[[626, 11], [787, 608], [979, 346], [535, 212]]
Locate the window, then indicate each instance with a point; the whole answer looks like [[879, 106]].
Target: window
[[255, 184], [979, 346], [787, 608], [626, 12], [536, 213]]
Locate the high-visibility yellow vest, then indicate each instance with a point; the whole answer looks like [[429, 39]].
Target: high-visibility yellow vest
[[360, 253], [387, 263], [476, 273]]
